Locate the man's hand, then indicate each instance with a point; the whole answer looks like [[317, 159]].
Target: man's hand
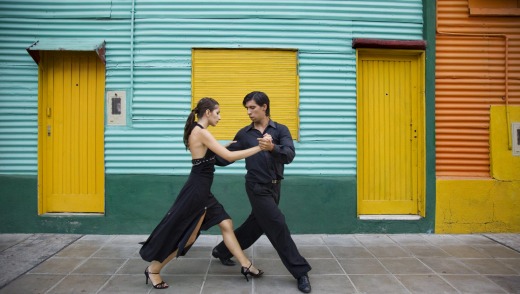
[[266, 143]]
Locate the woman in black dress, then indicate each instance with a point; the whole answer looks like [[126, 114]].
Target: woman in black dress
[[196, 208]]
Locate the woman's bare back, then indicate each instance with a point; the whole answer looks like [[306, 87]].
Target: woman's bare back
[[197, 148]]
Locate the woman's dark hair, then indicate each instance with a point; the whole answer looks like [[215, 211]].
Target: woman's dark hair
[[260, 99], [199, 110]]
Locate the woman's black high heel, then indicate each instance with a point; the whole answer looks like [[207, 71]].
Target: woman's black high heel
[[161, 285], [246, 271]]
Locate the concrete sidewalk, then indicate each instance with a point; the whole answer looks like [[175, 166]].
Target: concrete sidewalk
[[357, 263]]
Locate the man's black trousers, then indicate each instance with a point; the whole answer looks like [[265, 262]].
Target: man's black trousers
[[267, 218]]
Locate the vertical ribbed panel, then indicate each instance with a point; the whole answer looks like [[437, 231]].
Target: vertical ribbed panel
[[164, 34], [470, 77], [385, 141], [72, 132], [390, 131]]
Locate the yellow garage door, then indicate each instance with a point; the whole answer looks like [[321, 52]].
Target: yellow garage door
[[71, 132], [390, 113], [229, 74]]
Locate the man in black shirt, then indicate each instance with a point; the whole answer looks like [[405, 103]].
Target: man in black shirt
[[263, 180]]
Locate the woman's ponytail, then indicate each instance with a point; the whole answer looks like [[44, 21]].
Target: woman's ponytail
[[188, 127]]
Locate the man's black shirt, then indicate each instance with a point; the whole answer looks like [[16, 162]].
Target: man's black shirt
[[264, 166]]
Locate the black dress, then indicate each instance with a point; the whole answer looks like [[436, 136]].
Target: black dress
[[178, 224]]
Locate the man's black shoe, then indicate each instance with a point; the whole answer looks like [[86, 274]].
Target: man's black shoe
[[225, 261], [304, 284]]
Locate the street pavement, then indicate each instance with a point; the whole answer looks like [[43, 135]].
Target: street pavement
[[351, 263]]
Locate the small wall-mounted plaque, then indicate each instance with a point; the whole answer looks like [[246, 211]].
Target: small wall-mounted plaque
[[515, 132]]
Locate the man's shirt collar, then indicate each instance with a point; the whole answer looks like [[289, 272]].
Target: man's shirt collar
[[252, 125]]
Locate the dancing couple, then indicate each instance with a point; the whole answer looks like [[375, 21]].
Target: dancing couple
[[266, 146]]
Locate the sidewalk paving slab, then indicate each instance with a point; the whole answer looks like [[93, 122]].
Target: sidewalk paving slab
[[22, 252], [351, 263]]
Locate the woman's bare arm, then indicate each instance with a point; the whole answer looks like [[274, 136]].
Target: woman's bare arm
[[209, 141]]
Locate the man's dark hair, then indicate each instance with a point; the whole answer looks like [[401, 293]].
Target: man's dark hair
[[260, 99]]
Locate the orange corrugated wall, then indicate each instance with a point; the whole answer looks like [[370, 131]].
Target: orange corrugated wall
[[470, 77]]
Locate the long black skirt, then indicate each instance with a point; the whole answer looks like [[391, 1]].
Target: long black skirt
[[194, 201]]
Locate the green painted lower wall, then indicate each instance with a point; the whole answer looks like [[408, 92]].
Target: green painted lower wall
[[136, 203]]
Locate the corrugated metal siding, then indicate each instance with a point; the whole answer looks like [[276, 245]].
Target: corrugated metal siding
[[381, 10], [470, 77], [19, 78], [28, 9], [165, 32]]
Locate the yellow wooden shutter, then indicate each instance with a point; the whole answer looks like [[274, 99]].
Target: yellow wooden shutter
[[227, 75]]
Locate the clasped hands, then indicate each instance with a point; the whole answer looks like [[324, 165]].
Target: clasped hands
[[266, 143]]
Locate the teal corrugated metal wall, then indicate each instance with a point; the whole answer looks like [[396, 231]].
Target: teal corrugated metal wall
[[164, 33]]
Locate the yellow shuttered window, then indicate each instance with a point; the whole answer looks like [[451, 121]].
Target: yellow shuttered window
[[227, 75]]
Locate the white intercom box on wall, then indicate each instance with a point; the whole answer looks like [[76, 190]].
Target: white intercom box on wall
[[515, 131], [116, 108]]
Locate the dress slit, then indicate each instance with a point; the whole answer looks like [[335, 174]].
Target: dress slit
[[194, 210], [191, 235]]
